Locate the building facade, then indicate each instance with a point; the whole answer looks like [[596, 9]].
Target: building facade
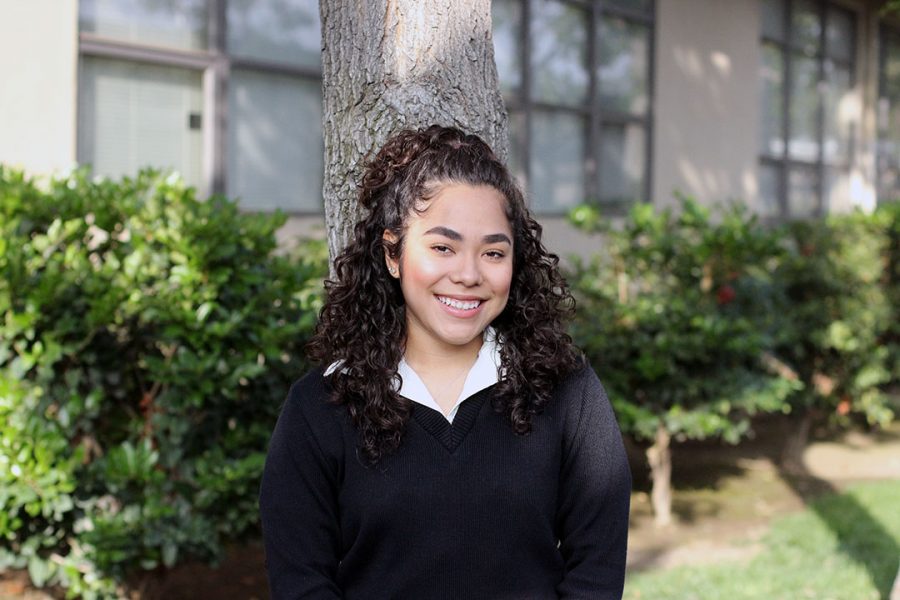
[[789, 106]]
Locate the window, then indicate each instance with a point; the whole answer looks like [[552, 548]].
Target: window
[[576, 79], [889, 115], [227, 92], [808, 119]]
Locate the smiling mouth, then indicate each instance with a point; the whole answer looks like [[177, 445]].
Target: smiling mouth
[[459, 304]]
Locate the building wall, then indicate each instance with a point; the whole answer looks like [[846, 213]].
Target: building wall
[[38, 60], [706, 121]]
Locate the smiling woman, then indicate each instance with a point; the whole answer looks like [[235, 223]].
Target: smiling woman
[[455, 274], [452, 443]]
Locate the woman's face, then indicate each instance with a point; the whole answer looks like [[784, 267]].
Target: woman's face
[[455, 269]]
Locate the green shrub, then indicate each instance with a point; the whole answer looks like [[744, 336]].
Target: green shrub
[[670, 311], [673, 315], [147, 343], [890, 213], [833, 314]]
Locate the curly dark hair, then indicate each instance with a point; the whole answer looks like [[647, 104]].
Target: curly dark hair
[[363, 325]]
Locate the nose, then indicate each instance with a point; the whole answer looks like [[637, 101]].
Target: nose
[[467, 271]]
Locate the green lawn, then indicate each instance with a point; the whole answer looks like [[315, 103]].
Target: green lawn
[[842, 547]]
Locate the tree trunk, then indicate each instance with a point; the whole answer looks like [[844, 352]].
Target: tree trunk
[[660, 458], [795, 443], [393, 64]]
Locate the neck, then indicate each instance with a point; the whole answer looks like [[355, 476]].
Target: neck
[[425, 358]]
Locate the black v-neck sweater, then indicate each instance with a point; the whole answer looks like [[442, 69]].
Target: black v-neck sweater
[[463, 511]]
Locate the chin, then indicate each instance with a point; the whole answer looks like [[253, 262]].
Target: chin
[[461, 338]]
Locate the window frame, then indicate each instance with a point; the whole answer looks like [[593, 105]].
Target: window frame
[[521, 104], [886, 29], [787, 48], [215, 64]]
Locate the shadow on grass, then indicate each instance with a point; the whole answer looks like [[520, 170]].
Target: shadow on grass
[[860, 536]]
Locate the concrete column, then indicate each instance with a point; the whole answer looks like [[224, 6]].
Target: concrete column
[[706, 123], [39, 61]]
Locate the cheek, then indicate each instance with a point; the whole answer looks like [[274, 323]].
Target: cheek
[[502, 281], [418, 273]]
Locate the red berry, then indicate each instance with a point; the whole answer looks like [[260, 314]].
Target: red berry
[[725, 294]]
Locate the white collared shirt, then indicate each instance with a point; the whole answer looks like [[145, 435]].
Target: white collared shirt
[[483, 374]]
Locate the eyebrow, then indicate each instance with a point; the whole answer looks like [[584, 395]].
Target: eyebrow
[[492, 238]]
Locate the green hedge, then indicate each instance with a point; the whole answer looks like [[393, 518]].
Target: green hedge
[[698, 323], [147, 343], [671, 314], [834, 317], [890, 213]]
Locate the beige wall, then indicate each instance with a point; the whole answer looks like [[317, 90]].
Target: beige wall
[[707, 100], [38, 62]]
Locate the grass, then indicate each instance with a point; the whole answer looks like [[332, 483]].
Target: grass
[[842, 547]]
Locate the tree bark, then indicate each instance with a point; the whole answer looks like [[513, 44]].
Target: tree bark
[[394, 64], [795, 443], [659, 456]]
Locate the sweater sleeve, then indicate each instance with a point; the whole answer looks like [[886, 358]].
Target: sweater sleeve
[[298, 501], [594, 498]]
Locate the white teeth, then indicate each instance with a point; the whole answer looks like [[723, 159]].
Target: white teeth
[[460, 304]]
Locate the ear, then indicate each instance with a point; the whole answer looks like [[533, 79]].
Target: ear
[[393, 265]]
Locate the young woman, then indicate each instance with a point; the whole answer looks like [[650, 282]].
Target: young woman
[[453, 444]]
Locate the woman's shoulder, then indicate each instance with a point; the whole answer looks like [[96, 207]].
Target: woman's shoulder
[[580, 389], [580, 377], [310, 397]]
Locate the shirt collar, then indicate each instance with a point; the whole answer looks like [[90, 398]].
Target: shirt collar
[[484, 373]]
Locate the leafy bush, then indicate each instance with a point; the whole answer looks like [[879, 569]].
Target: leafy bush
[[672, 312], [148, 340], [833, 315], [890, 213], [698, 325]]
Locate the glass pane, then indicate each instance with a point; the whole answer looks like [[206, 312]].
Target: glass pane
[[771, 74], [891, 68], [839, 34], [888, 169], [507, 25], [559, 53], [769, 190], [134, 115], [176, 23], [275, 148], [557, 163], [516, 160], [837, 192], [773, 19], [804, 144], [806, 27], [277, 30], [889, 120], [622, 163], [803, 199], [889, 155], [840, 114], [622, 73], [635, 5]]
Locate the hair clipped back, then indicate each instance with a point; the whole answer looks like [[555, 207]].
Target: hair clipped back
[[363, 322]]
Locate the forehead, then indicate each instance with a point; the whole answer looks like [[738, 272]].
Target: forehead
[[477, 209]]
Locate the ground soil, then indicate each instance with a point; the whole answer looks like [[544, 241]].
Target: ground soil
[[724, 498]]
